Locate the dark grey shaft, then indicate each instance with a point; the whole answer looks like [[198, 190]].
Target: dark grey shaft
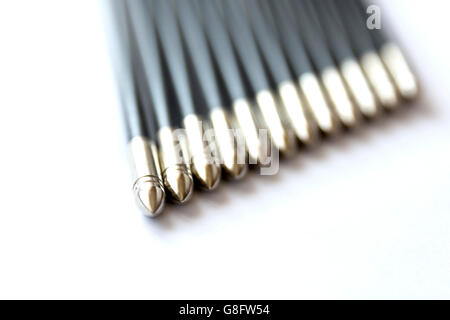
[[379, 36], [152, 71], [221, 46], [268, 41], [355, 26], [145, 101], [170, 36], [291, 41], [245, 44], [308, 27], [334, 29], [197, 47], [121, 54]]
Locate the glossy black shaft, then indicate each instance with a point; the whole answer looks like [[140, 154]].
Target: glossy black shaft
[[197, 47], [221, 45], [245, 44], [151, 61], [170, 36], [120, 42], [268, 41]]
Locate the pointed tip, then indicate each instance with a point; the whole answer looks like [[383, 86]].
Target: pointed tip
[[286, 143], [309, 137], [230, 145], [380, 80], [295, 111], [180, 185], [305, 135], [330, 127], [359, 88], [208, 175], [370, 109], [317, 104], [349, 120], [151, 197], [402, 75], [338, 96], [234, 170]]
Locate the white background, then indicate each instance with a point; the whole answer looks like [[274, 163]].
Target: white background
[[364, 216]]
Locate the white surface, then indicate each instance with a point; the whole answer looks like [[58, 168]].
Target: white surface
[[365, 216]]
